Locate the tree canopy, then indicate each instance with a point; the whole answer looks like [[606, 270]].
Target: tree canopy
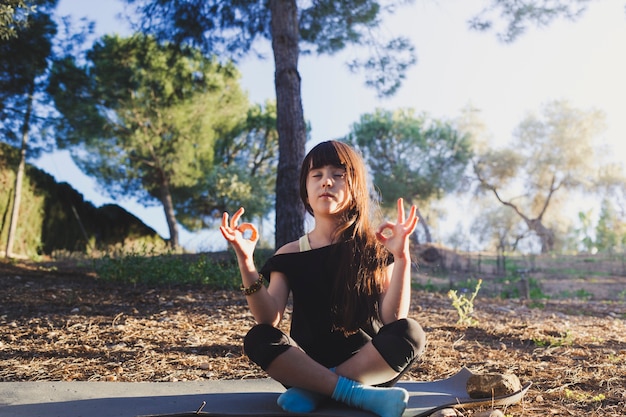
[[323, 27], [143, 118], [550, 154], [517, 15], [14, 16], [24, 61], [411, 156], [244, 172], [611, 229]]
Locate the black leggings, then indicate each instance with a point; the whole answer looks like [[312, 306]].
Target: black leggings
[[400, 343]]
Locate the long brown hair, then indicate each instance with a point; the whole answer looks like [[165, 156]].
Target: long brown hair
[[359, 279]]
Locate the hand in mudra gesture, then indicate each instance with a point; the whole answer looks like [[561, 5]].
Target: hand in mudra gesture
[[395, 236], [236, 234]]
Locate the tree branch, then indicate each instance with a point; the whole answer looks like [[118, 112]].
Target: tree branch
[[493, 189], [553, 189]]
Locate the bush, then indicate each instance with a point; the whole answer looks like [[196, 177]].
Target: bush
[[168, 269], [147, 266]]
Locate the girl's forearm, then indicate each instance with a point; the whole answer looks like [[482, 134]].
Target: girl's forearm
[[397, 299], [260, 302]]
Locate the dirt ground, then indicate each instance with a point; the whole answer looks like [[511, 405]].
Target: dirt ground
[[61, 323]]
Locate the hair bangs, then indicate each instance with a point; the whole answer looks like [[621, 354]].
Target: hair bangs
[[326, 153]]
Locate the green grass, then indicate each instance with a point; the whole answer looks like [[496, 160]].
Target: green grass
[[428, 287], [574, 272], [581, 294], [169, 269]]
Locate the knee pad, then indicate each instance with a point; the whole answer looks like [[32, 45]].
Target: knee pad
[[400, 343], [264, 343]]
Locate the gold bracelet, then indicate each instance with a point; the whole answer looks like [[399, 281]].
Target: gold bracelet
[[254, 287]]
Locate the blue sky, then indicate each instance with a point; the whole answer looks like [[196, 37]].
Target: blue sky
[[580, 61]]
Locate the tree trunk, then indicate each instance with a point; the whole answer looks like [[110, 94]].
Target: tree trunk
[[415, 238], [422, 221], [170, 216], [545, 235], [19, 176], [289, 121]]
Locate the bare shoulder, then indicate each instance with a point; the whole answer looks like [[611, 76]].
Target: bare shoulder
[[291, 247]]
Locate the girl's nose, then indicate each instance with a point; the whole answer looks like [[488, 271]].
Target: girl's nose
[[328, 182]]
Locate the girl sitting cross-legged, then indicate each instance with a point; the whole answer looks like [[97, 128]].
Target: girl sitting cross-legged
[[350, 337]]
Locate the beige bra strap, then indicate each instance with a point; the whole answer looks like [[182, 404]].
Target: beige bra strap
[[304, 243]]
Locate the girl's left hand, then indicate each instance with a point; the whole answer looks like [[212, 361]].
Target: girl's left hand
[[398, 241]]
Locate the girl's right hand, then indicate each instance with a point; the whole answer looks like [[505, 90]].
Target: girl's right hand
[[234, 234]]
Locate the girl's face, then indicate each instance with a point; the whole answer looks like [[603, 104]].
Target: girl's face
[[327, 190]]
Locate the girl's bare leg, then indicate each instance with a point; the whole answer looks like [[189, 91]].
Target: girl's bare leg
[[296, 369], [367, 367]]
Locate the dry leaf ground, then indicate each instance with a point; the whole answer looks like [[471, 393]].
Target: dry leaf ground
[[64, 324]]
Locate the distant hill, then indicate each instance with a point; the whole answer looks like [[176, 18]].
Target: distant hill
[[55, 217]]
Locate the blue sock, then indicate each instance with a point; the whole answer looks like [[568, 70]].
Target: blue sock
[[386, 402], [298, 400]]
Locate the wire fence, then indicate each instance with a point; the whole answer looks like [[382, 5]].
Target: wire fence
[[501, 265], [525, 276]]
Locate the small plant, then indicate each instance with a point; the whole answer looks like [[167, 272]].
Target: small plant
[[584, 397], [580, 294], [537, 304], [583, 294], [565, 339], [465, 306], [512, 288]]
